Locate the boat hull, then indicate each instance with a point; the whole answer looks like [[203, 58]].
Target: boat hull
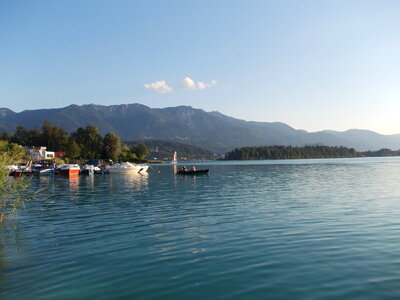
[[44, 171], [87, 172], [19, 173], [69, 172], [197, 172]]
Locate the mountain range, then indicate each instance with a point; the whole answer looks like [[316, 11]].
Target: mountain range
[[210, 130]]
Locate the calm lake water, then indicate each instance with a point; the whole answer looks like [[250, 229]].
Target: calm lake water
[[250, 230]]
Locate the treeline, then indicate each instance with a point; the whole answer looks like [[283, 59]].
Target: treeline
[[381, 153], [84, 143], [289, 152]]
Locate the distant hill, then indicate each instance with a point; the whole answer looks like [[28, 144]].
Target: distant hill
[[184, 124], [364, 140]]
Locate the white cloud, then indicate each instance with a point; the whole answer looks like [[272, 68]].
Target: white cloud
[[189, 84], [201, 85], [159, 87]]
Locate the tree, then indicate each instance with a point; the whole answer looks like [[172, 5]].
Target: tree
[[27, 137], [140, 151], [90, 141], [54, 137], [21, 135], [111, 146], [4, 136], [125, 154], [73, 149]]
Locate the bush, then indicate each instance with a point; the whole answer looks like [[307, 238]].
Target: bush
[[13, 191]]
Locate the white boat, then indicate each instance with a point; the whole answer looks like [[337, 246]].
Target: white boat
[[174, 158], [11, 167], [43, 167], [88, 170], [128, 167], [43, 170]]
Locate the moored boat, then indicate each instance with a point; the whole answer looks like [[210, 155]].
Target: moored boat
[[69, 169], [101, 170], [128, 167], [44, 167], [21, 171], [87, 170], [43, 170], [11, 169]]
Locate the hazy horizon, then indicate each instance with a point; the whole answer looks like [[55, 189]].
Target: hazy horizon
[[311, 65]]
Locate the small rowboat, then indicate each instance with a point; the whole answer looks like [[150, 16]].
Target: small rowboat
[[189, 172]]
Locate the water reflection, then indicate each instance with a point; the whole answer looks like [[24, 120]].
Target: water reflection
[[136, 181], [45, 179], [89, 181], [74, 184], [189, 180]]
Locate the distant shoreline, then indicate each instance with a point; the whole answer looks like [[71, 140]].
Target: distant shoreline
[[307, 152]]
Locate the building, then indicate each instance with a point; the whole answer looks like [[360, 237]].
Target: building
[[39, 153], [60, 154]]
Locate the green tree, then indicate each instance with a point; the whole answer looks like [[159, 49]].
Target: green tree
[[73, 149], [125, 153], [140, 151], [54, 137], [4, 136], [111, 146], [27, 137], [21, 135], [90, 141]]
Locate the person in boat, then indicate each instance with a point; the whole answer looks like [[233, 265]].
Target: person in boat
[[192, 168], [184, 169]]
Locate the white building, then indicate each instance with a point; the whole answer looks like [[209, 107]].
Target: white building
[[39, 153]]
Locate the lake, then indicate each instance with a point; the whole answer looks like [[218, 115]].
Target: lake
[[326, 228]]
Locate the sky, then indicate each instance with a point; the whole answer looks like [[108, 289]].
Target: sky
[[313, 65]]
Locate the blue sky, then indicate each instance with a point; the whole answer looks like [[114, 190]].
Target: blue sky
[[311, 64]]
